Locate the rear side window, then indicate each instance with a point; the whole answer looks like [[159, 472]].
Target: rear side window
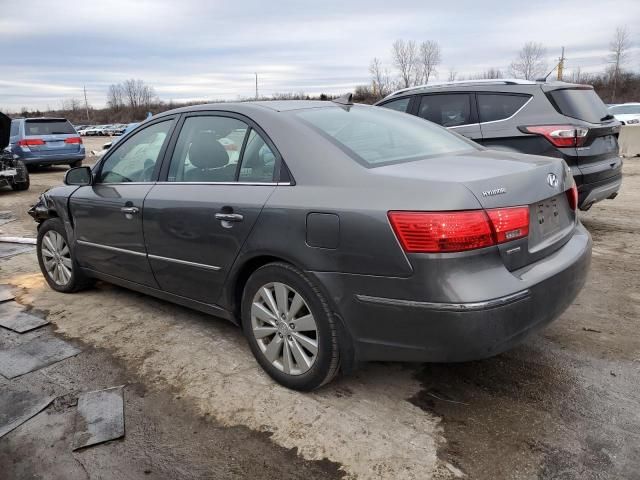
[[14, 129], [451, 110], [399, 105], [583, 104], [377, 136], [48, 127], [492, 107]]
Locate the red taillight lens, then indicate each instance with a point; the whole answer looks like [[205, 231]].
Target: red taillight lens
[[509, 223], [431, 232], [560, 135], [439, 232], [30, 142], [73, 140], [572, 197]]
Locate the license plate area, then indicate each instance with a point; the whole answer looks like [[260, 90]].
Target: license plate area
[[547, 218]]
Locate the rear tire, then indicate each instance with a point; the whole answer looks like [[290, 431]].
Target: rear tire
[[293, 334], [56, 260], [21, 180]]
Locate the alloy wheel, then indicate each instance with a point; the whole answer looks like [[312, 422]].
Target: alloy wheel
[[284, 328], [56, 257]]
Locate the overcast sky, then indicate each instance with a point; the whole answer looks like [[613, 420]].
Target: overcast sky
[[207, 50]]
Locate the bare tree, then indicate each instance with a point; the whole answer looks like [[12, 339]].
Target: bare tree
[[452, 75], [71, 105], [428, 59], [488, 74], [404, 59], [530, 62], [380, 80], [137, 94], [115, 97], [618, 47]]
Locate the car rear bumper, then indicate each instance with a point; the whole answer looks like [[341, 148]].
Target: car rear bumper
[[52, 159], [390, 328], [590, 193]]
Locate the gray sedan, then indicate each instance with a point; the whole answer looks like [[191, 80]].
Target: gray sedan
[[331, 233]]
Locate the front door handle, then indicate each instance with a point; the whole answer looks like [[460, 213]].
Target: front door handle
[[229, 217], [129, 210]]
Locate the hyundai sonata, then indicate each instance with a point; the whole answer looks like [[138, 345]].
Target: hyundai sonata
[[332, 233]]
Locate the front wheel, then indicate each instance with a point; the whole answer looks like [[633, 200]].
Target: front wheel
[[56, 260], [77, 163], [290, 327]]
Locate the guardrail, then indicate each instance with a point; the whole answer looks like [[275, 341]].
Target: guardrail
[[629, 141]]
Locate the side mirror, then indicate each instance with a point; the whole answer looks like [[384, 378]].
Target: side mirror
[[80, 176]]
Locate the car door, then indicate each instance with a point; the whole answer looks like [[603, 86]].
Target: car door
[[217, 180], [107, 215], [456, 111]]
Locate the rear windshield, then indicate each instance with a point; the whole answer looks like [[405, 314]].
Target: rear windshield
[[377, 136], [48, 127], [583, 104]]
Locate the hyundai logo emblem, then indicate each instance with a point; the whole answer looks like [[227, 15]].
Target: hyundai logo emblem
[[552, 180]]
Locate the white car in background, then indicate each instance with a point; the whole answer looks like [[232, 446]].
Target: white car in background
[[626, 113]]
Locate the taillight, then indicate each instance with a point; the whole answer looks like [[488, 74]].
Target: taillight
[[509, 223], [559, 135], [30, 142], [572, 197], [438, 232], [73, 140]]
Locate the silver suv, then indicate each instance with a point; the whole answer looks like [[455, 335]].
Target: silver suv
[[554, 119]]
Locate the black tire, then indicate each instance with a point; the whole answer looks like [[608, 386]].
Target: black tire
[[78, 280], [21, 180], [327, 361], [77, 163]]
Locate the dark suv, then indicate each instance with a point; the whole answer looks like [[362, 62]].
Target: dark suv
[[554, 119]]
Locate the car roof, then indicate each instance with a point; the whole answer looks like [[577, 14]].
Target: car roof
[[273, 106], [491, 85]]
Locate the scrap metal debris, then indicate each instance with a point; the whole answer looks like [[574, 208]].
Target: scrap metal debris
[[18, 406], [14, 317], [5, 293], [99, 417], [33, 355]]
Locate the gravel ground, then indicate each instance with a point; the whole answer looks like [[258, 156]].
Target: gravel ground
[[565, 404]]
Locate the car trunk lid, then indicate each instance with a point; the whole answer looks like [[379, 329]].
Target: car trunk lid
[[502, 179], [51, 137]]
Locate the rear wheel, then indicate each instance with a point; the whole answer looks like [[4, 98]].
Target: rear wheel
[[290, 328], [56, 261], [21, 180]]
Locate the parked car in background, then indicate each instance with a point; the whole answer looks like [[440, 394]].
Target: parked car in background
[[106, 146], [114, 130], [626, 113], [83, 131], [553, 119], [333, 233], [46, 141], [13, 171]]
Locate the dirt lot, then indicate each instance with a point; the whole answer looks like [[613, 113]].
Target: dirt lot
[[565, 404]]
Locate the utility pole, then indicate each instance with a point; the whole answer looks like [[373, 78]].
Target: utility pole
[[256, 85], [561, 65], [86, 103]]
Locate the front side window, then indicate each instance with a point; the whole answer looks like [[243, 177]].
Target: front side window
[[377, 136], [492, 107], [135, 159], [207, 150], [451, 110], [399, 105]]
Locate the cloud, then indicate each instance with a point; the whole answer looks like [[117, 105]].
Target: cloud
[[196, 49]]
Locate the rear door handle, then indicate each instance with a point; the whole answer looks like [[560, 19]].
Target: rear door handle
[[129, 210], [229, 217]]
